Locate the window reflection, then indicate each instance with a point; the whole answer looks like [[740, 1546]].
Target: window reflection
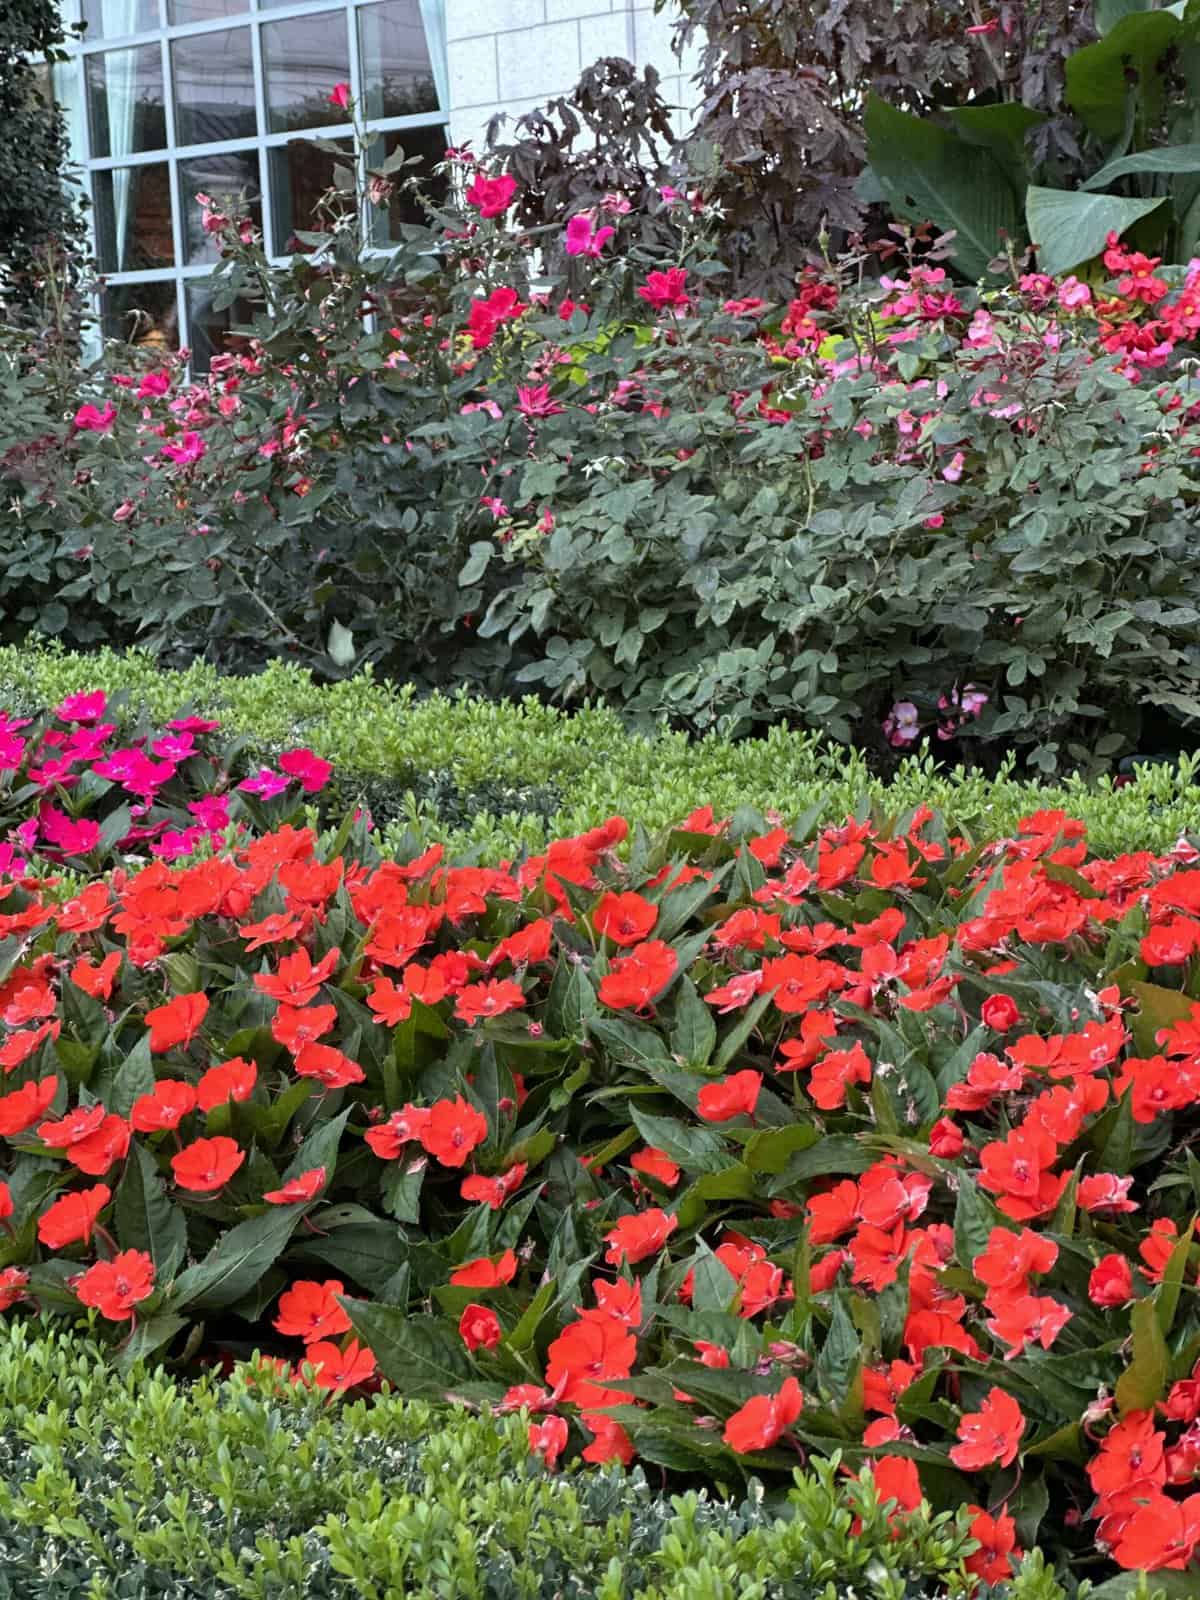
[[212, 332], [299, 175], [204, 10], [133, 218], [125, 101], [304, 57], [397, 75], [214, 87], [145, 314], [399, 205], [112, 19], [224, 177]]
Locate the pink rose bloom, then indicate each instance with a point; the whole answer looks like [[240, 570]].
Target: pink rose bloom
[[339, 96], [89, 420], [583, 238], [185, 449], [154, 384], [491, 197]]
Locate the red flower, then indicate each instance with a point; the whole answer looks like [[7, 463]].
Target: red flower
[[297, 980], [1162, 1534], [763, 1420], [490, 999], [735, 1096], [1001, 1012], [494, 1191], [207, 1164], [298, 1190], [990, 1435], [896, 1479], [548, 1439], [835, 1072], [96, 978], [176, 1023], [946, 1139], [997, 1539], [72, 1217], [339, 96], [22, 1108], [586, 1355], [95, 1154], [1111, 1282], [1005, 1266], [390, 1137], [611, 1442], [453, 1130], [638, 978], [164, 1107], [339, 1369], [654, 1163], [480, 1327], [115, 1287], [624, 918], [491, 197], [1157, 1248], [638, 1236], [296, 1026], [328, 1065], [667, 288], [230, 1080], [484, 1273], [309, 1310], [12, 1286], [77, 1125], [1026, 1319]]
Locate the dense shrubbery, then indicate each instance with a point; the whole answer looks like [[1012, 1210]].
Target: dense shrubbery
[[872, 513], [703, 1149]]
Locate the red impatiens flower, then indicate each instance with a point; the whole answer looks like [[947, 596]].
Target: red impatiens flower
[[164, 1107], [640, 977], [638, 1236], [480, 1328], [833, 1074], [96, 978], [1005, 1266], [610, 1441], [229, 1080], [13, 1283], [390, 1137], [484, 1273], [74, 1127], [336, 1369], [206, 1165], [990, 1435], [72, 1217], [587, 1354], [115, 1287], [654, 1163], [298, 1190], [548, 1439], [490, 999], [309, 1310], [1000, 1011], [735, 1096], [626, 919], [762, 1421], [297, 979], [328, 1065], [295, 1026], [997, 1539], [96, 1153], [22, 1108], [494, 1192], [177, 1023], [1162, 1534], [1111, 1282], [453, 1130]]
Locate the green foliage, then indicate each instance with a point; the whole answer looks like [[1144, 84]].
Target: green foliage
[[142, 1488]]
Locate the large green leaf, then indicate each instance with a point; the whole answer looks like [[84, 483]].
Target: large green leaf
[[143, 1216], [236, 1261], [1144, 1382], [929, 174], [1173, 158], [1098, 84], [423, 1356], [1069, 227], [1000, 129]]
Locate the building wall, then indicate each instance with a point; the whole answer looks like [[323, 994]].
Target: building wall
[[513, 55]]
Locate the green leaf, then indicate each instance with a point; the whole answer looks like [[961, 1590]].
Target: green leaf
[[836, 1365], [145, 1219], [134, 1077], [320, 1149], [770, 1149], [929, 174], [422, 1356], [236, 1261], [525, 1332], [741, 1031], [694, 1032], [695, 1149], [713, 1285], [1168, 1291], [974, 1218], [1129, 1585], [476, 564], [1069, 227], [837, 1155], [1144, 1381], [1174, 158], [1098, 81], [1000, 129]]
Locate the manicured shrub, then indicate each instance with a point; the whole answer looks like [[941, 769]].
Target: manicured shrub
[[143, 1487], [753, 1140], [499, 777]]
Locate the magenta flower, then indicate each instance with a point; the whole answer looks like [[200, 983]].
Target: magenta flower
[[339, 96], [153, 385], [185, 449], [312, 772], [491, 197], [265, 784], [211, 812], [663, 289], [82, 707], [89, 420], [192, 725], [537, 402], [902, 724], [583, 238]]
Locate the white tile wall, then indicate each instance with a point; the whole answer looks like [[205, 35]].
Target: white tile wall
[[513, 55]]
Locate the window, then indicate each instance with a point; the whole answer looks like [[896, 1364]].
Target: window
[[168, 99]]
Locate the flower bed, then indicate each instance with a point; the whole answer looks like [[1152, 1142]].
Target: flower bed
[[717, 1150]]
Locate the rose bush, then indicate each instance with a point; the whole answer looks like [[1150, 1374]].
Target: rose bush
[[718, 1150]]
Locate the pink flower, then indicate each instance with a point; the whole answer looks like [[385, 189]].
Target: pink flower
[[583, 238], [89, 420], [491, 197], [662, 289], [953, 470], [82, 707], [537, 402], [154, 384], [312, 772], [1072, 294], [265, 783], [339, 96], [902, 724], [186, 449]]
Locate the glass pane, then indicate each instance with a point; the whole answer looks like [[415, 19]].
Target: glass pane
[[210, 332], [125, 101], [223, 178], [299, 176], [133, 218], [399, 205], [397, 76], [204, 10], [112, 19], [144, 314], [214, 87], [305, 57]]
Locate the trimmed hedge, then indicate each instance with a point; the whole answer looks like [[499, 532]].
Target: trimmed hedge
[[498, 775], [113, 1488]]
